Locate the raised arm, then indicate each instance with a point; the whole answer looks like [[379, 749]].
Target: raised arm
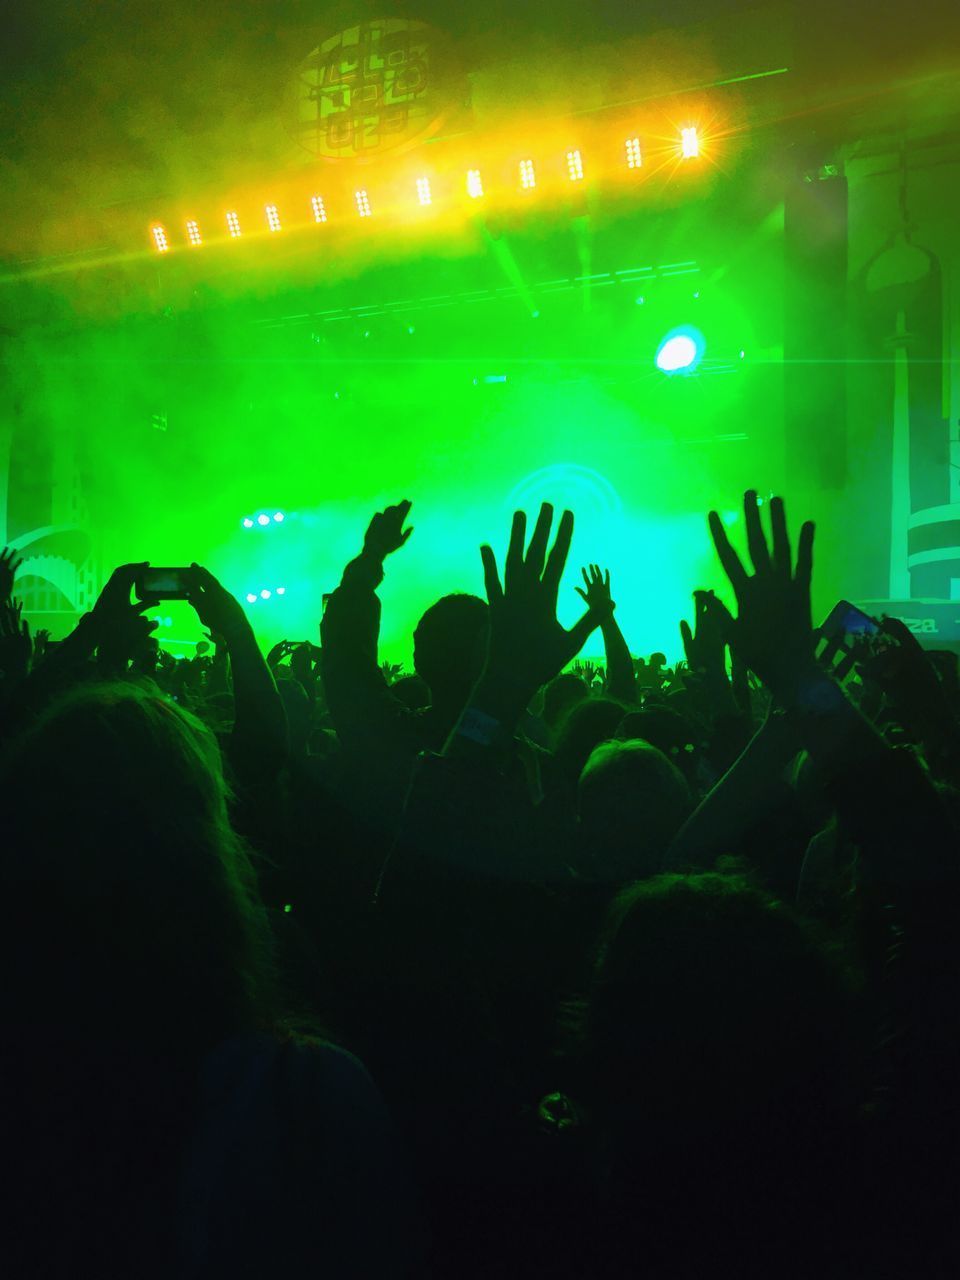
[[366, 715], [621, 676], [881, 796], [472, 805], [259, 738]]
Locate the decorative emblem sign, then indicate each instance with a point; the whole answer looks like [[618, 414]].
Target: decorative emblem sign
[[379, 86]]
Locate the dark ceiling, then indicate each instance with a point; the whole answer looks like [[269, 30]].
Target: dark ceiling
[[105, 100]]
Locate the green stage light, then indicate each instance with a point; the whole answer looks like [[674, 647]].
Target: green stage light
[[160, 239], [247, 522], [279, 517], [263, 518], [251, 598], [680, 351], [264, 594]]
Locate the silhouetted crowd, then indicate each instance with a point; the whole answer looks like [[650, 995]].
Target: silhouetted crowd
[[509, 966]]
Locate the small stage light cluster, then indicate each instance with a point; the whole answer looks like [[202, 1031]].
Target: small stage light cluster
[[264, 594], [263, 519], [688, 148]]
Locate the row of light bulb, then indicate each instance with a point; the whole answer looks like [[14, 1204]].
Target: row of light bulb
[[689, 149]]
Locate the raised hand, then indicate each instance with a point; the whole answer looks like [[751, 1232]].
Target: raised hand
[[277, 654], [528, 646], [10, 562], [16, 647], [595, 592], [216, 608], [704, 647], [385, 533], [772, 632], [113, 603]]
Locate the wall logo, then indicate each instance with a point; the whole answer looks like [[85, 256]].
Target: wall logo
[[379, 86]]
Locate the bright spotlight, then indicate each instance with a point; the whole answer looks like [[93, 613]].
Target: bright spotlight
[[281, 591], [278, 517], [575, 166], [251, 598], [247, 522], [319, 209], [363, 204], [263, 518], [528, 176], [634, 154], [233, 224], [193, 233], [424, 194], [474, 184], [273, 217], [264, 594], [680, 351], [689, 143], [159, 239]]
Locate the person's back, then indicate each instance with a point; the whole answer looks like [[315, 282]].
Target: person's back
[[139, 1056]]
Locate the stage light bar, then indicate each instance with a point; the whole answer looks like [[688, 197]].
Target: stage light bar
[[688, 147], [689, 143]]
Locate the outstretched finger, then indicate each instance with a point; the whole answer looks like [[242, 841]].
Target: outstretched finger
[[586, 580], [805, 554], [686, 635], [781, 539], [537, 551], [756, 542], [518, 535], [728, 557], [491, 578], [558, 554]]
